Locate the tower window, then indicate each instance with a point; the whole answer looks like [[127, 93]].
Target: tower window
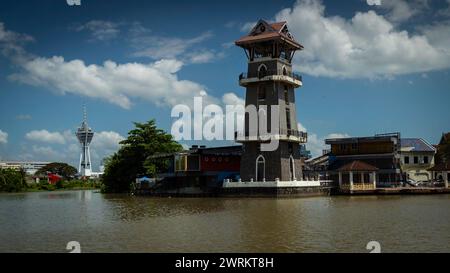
[[262, 71], [260, 168], [262, 93], [288, 118], [406, 159], [286, 95], [291, 168]]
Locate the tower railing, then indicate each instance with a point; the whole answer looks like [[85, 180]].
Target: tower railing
[[298, 135], [276, 72]]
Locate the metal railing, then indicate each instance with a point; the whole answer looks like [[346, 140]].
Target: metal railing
[[283, 132], [262, 74]]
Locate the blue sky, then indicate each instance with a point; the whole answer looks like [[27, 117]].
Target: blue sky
[[366, 68]]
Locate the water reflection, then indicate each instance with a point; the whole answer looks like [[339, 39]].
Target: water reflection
[[41, 222], [132, 208]]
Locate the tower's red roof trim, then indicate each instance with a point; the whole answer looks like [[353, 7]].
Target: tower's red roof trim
[[273, 31]]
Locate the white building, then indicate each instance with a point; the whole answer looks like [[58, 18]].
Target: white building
[[417, 156], [30, 167]]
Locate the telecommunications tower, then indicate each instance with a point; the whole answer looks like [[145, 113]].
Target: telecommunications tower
[[85, 135]]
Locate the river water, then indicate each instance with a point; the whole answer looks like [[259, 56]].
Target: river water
[[47, 221]]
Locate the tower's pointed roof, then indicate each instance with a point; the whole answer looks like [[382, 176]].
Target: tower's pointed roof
[[264, 31]]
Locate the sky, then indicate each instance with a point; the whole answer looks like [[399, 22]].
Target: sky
[[368, 66]]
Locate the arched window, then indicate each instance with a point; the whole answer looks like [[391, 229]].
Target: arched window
[[261, 94], [262, 71], [291, 168], [260, 168], [284, 71]]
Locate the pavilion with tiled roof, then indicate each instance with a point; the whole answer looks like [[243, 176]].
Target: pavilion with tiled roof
[[357, 175], [441, 172]]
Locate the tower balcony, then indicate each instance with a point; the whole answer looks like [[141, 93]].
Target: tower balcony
[[284, 135], [271, 75]]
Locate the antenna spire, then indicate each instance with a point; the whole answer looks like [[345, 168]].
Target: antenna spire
[[84, 113]]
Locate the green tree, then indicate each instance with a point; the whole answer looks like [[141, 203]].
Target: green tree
[[12, 180], [443, 152], [62, 169], [134, 156]]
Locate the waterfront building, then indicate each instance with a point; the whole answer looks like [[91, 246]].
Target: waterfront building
[[443, 149], [270, 81], [30, 167], [365, 162], [441, 173], [417, 156], [197, 170]]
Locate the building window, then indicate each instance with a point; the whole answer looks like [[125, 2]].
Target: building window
[[291, 168], [354, 146], [288, 118], [286, 95], [425, 159], [261, 94], [406, 159], [262, 71], [416, 160], [343, 147], [260, 168]]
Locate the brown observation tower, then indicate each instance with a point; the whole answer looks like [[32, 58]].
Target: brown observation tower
[[270, 81]]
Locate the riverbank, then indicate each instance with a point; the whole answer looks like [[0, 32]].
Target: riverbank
[[59, 186], [395, 191]]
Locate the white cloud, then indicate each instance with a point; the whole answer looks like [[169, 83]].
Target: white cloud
[[24, 117], [317, 144], [45, 153], [232, 99], [103, 144], [399, 10], [3, 137], [438, 34], [301, 128], [115, 83], [100, 30], [160, 47], [365, 46], [11, 44], [373, 2], [204, 56], [337, 135], [46, 136], [247, 27], [106, 142]]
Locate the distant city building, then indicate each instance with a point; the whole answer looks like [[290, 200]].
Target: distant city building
[[417, 156], [304, 153], [30, 167], [85, 135]]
